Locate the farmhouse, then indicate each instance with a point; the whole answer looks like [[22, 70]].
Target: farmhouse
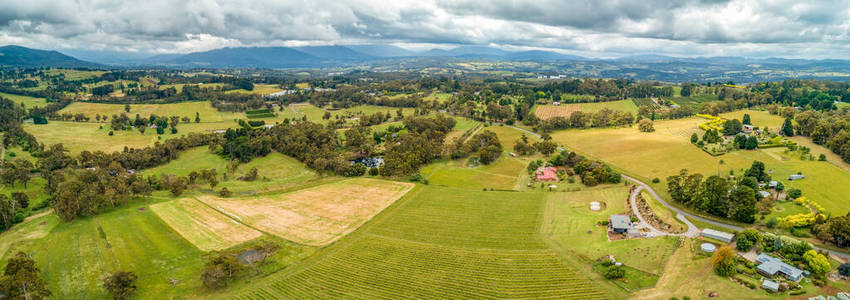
[[770, 266], [547, 174], [619, 223], [717, 235], [748, 128]]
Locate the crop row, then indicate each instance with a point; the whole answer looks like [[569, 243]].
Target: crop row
[[378, 267]]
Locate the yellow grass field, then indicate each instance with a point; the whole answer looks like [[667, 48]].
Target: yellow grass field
[[551, 111], [203, 226], [317, 215]]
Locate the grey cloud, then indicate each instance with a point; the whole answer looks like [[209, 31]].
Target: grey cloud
[[684, 27]]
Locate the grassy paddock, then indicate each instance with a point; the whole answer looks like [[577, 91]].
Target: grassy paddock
[[28, 102], [316, 215], [439, 243]]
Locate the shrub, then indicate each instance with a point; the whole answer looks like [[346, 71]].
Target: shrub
[[111, 133], [225, 192], [772, 222], [724, 261], [121, 285], [656, 180], [416, 177], [373, 171], [794, 193], [607, 262]]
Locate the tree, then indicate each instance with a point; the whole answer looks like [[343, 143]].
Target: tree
[[746, 120], [489, 154], [645, 126], [121, 285], [844, 269], [225, 192], [21, 279], [546, 147], [615, 273], [197, 117], [724, 261], [126, 107], [818, 263], [787, 128], [747, 239], [732, 127], [757, 170], [142, 129], [21, 199], [794, 193], [694, 138], [219, 269], [751, 143]]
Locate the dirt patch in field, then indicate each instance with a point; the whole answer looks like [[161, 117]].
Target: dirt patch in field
[[317, 215], [551, 111], [203, 226]]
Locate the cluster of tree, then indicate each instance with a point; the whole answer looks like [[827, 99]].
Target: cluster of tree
[[835, 230], [87, 192], [222, 267], [830, 129], [645, 126], [485, 144], [22, 279], [421, 144], [602, 118], [591, 172], [714, 195]]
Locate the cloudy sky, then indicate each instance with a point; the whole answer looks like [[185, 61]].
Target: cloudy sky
[[606, 28]]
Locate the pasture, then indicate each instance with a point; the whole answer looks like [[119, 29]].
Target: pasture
[[662, 153], [274, 171], [126, 239], [203, 226], [26, 101], [501, 174], [184, 109], [439, 243], [566, 109], [92, 136], [316, 215]]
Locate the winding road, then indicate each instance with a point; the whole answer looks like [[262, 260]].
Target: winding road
[[692, 231], [681, 214]]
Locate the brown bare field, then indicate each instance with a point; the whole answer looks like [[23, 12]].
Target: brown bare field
[[551, 111], [317, 215], [203, 226]]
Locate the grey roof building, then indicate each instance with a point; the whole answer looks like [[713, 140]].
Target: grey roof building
[[770, 266], [619, 223], [770, 285], [717, 235], [796, 177]]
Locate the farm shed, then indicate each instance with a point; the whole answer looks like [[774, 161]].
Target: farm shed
[[770, 285], [764, 194], [717, 235], [619, 223], [770, 266], [796, 177]]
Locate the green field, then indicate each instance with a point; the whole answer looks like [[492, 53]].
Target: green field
[[621, 105], [28, 102], [79, 136], [439, 243], [275, 171], [183, 109], [126, 239]]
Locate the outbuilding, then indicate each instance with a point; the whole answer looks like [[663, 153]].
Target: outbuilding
[[717, 235], [619, 223], [796, 177], [770, 285]]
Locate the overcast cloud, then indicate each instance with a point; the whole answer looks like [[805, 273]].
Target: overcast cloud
[[812, 29]]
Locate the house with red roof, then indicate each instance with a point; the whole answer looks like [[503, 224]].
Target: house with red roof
[[547, 174]]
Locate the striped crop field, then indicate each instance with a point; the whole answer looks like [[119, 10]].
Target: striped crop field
[[438, 242]]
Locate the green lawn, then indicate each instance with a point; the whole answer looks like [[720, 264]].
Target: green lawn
[[568, 220], [183, 109]]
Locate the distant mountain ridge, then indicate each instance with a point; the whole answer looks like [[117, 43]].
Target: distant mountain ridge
[[17, 56]]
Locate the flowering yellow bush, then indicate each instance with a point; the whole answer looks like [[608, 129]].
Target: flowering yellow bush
[[713, 123], [802, 220]]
